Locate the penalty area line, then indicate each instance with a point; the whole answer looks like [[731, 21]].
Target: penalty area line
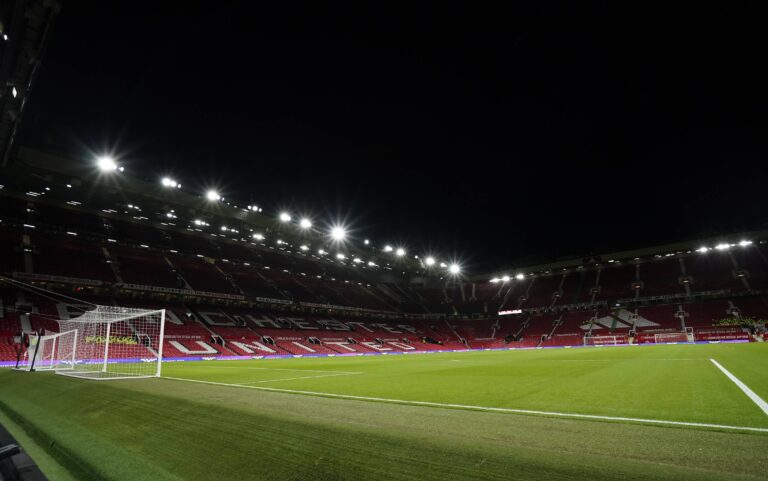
[[591, 417], [750, 393]]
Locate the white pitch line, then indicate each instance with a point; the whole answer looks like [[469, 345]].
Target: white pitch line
[[750, 393], [484, 408], [302, 377]]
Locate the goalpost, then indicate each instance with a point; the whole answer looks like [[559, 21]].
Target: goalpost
[[667, 337], [110, 342], [604, 340]]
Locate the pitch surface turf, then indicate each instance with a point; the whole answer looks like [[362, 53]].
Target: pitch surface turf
[[244, 420]]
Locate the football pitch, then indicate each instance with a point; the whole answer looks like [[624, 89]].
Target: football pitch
[[658, 412]]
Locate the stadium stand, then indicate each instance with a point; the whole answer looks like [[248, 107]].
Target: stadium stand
[[229, 291]]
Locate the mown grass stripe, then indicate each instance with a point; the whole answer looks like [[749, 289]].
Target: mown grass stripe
[[593, 417]]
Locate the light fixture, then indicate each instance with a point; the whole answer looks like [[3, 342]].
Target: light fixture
[[388, 248], [168, 182], [285, 217], [304, 248], [258, 236], [341, 256], [430, 261], [454, 269], [505, 278], [400, 252], [106, 164], [305, 223], [212, 195], [338, 233], [366, 242], [520, 277]]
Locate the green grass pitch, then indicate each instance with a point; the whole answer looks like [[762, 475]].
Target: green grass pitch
[[407, 417]]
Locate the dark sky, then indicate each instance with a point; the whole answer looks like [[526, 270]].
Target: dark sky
[[528, 133]]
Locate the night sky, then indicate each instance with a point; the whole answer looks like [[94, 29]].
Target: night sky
[[495, 136]]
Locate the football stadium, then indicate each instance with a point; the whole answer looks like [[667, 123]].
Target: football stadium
[[158, 327]]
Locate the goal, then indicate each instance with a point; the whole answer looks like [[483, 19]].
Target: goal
[[110, 342], [604, 340], [670, 337]]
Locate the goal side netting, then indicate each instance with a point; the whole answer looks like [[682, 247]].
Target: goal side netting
[[112, 343]]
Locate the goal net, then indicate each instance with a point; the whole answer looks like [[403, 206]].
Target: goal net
[[667, 337], [111, 343], [604, 340]]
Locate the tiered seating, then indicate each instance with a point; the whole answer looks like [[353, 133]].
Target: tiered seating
[[144, 266], [70, 257], [541, 291], [661, 277], [616, 282], [201, 275], [10, 245], [711, 272]]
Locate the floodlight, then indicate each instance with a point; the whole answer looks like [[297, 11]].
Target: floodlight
[[338, 233], [443, 264], [168, 182], [745, 243], [212, 195], [520, 277], [430, 261], [400, 252], [304, 248], [494, 280], [366, 242], [454, 269], [357, 260], [722, 247], [702, 249], [106, 164], [258, 236], [285, 217], [305, 223], [505, 278], [387, 248], [321, 252], [341, 256]]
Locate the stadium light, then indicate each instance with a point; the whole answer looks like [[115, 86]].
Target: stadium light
[[258, 236], [212, 195], [722, 247], [305, 223], [321, 252], [371, 263], [505, 278], [745, 243], [366, 242], [341, 256], [357, 260], [304, 248], [520, 277], [106, 164], [168, 182], [702, 249], [388, 248], [338, 233], [430, 261], [454, 269], [494, 280], [285, 217], [400, 252]]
